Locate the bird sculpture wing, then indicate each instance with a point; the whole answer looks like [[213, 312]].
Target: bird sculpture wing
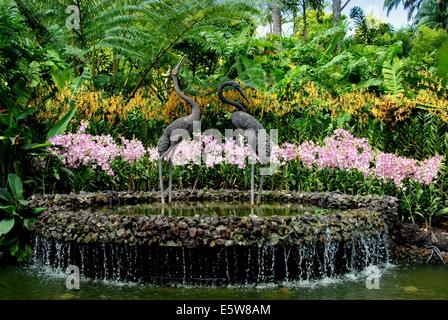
[[245, 121], [165, 140]]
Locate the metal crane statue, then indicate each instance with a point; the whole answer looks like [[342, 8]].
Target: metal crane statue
[[169, 140], [244, 121]]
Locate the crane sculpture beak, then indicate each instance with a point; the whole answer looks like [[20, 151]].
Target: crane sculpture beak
[[175, 71]]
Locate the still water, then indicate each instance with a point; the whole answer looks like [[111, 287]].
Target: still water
[[396, 282], [189, 209]]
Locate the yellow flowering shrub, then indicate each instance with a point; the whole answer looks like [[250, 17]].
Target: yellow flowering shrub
[[434, 98], [96, 105]]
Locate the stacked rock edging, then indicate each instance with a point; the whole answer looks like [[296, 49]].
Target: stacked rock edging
[[386, 206], [232, 249], [86, 227]]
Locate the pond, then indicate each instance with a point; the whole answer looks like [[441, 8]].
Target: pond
[[396, 282], [214, 208]]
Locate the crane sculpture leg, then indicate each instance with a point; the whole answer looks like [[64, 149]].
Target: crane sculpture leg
[[252, 184], [170, 177], [260, 189], [162, 198]]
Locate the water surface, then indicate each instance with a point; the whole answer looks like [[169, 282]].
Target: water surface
[[396, 282], [189, 209]]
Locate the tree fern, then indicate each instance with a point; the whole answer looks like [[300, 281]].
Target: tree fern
[[138, 31], [392, 78]]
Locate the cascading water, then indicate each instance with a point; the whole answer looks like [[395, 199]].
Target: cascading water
[[219, 264], [219, 242]]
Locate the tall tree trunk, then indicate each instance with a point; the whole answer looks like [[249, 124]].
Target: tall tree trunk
[[276, 18], [305, 31], [336, 12], [295, 27], [337, 18]]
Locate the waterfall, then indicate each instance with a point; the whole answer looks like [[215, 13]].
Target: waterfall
[[219, 264]]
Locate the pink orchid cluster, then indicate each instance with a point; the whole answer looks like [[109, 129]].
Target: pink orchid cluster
[[132, 150], [389, 166], [344, 151], [212, 151], [340, 151], [99, 151]]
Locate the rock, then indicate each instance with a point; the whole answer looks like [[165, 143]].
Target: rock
[[193, 232], [87, 226], [120, 232], [183, 234], [182, 225]]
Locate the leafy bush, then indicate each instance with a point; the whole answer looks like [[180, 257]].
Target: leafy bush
[[16, 220]]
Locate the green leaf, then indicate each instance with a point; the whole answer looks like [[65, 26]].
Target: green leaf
[[79, 81], [60, 77], [68, 171], [368, 83], [442, 61], [37, 211], [392, 77], [14, 249], [34, 74], [442, 212], [251, 73], [56, 173], [15, 184], [11, 209], [5, 195], [61, 125], [28, 223], [24, 202], [7, 241], [26, 114], [32, 146], [6, 225]]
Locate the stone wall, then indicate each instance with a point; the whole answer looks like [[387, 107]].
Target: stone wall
[[362, 216]]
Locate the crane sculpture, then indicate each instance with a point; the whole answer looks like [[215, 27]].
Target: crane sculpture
[[170, 137], [244, 121]]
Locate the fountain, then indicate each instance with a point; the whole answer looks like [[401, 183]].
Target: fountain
[[342, 234]]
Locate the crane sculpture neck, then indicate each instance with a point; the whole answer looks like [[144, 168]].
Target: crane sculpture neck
[[236, 104], [195, 112]]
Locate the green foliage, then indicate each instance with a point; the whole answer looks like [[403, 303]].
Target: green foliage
[[432, 13], [123, 45], [393, 81], [16, 220], [368, 29], [427, 42], [61, 125], [442, 61]]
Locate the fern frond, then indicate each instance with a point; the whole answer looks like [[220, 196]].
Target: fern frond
[[392, 78]]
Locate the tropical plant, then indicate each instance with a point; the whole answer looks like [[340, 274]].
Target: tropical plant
[[16, 220], [116, 43], [433, 13], [410, 5], [303, 6], [368, 29]]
